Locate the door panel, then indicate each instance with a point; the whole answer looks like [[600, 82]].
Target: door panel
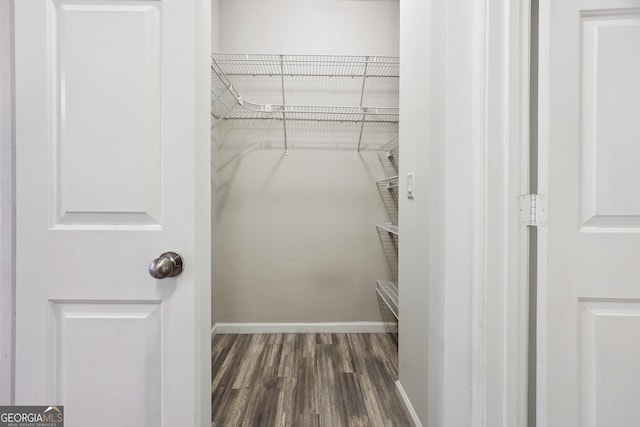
[[609, 123], [107, 111], [610, 367], [589, 300], [106, 164], [94, 334]]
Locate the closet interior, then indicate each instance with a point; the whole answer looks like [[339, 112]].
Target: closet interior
[[304, 108]]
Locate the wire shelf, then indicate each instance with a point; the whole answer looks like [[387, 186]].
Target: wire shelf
[[233, 64], [389, 228], [389, 155], [388, 189], [392, 148], [229, 70], [388, 292], [317, 113], [391, 182]]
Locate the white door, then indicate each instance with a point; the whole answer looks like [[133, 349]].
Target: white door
[[108, 156], [589, 330]]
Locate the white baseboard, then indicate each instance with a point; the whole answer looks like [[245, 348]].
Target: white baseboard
[[408, 406], [296, 328], [214, 330]]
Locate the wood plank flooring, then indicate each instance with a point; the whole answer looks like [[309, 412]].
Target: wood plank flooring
[[305, 380]]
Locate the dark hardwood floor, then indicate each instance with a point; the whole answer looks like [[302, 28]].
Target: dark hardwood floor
[[300, 380]]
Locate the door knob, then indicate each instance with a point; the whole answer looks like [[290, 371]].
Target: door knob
[[169, 264]]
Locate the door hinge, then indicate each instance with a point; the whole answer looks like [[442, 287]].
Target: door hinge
[[533, 210]]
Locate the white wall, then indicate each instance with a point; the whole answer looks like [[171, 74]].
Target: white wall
[[422, 269], [215, 25], [295, 237], [340, 27], [440, 141], [6, 196]]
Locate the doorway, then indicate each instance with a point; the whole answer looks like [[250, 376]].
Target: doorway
[[296, 201]]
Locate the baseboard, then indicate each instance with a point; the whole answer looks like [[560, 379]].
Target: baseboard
[[296, 328], [214, 330], [408, 406]]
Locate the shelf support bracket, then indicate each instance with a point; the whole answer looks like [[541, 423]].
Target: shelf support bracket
[[364, 115], [284, 106], [364, 82]]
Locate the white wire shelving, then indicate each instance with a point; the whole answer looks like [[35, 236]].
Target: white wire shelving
[[234, 64], [389, 232], [388, 292], [388, 183], [389, 228], [391, 150], [228, 103]]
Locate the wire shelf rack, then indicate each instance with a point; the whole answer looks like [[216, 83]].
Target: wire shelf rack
[[233, 64], [389, 228], [227, 103], [391, 182], [388, 292], [317, 113], [392, 148], [389, 155], [388, 189]]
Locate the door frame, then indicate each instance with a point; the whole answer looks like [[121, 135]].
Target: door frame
[[6, 204], [499, 292], [203, 208], [544, 25], [202, 136], [543, 187]]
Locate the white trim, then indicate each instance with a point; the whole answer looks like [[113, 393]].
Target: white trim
[[500, 256], [408, 406], [214, 330], [480, 49], [544, 47], [7, 236], [298, 328], [203, 193]]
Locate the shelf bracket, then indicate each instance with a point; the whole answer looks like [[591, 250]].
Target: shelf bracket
[[364, 114], [284, 106]]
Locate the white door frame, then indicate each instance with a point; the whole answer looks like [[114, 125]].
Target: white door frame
[[543, 187], [499, 288], [486, 283], [6, 204], [500, 298], [201, 86], [203, 200]]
